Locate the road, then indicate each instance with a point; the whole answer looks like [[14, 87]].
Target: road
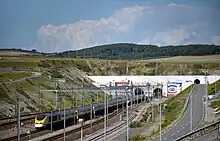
[[183, 127]]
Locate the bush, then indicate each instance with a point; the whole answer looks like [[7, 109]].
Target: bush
[[56, 74], [135, 124], [138, 138]]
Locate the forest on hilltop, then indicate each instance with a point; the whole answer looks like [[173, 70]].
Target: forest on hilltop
[[133, 51]]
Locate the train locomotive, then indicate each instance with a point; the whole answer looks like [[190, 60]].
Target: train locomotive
[[43, 120]]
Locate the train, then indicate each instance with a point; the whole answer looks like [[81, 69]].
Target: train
[[43, 120]]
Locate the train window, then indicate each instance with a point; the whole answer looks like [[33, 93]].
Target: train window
[[54, 118], [40, 117]]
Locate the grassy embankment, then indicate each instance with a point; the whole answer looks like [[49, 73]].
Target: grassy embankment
[[8, 76], [214, 86], [211, 90], [172, 111], [28, 90]]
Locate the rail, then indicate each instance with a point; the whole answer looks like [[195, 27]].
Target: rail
[[98, 137], [58, 136], [201, 132]]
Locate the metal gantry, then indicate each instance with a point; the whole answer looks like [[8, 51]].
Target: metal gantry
[[104, 89]]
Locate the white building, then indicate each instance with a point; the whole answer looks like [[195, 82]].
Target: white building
[[185, 81]]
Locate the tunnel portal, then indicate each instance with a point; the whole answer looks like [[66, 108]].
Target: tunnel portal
[[196, 81], [138, 91], [157, 92]]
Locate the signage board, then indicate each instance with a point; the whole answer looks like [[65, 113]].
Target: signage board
[[174, 87]]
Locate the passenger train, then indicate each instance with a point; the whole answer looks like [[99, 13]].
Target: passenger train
[[44, 120]]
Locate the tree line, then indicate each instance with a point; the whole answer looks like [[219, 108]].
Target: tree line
[[134, 51]]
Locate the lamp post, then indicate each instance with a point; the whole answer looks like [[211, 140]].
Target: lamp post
[[105, 137], [127, 114], [191, 119], [81, 122], [160, 123], [64, 122], [18, 119], [56, 85]]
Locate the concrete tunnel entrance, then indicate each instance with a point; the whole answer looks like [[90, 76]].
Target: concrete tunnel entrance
[[157, 92], [196, 81], [138, 91]]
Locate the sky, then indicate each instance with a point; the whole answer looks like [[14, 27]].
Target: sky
[[58, 25]]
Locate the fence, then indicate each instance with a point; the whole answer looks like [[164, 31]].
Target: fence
[[214, 127]]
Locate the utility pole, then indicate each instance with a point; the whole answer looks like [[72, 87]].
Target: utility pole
[[152, 106], [127, 116], [105, 137], [91, 105], [39, 93], [215, 84], [117, 101], [51, 121], [191, 119], [74, 119], [160, 124], [56, 95], [137, 95], [132, 95], [206, 94], [64, 122], [131, 98], [18, 120]]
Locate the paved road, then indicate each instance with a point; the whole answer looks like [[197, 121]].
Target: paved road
[[183, 127]]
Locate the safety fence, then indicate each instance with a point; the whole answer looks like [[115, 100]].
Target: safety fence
[[214, 127]]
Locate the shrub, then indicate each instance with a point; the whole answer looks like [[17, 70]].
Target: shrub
[[135, 124], [56, 74]]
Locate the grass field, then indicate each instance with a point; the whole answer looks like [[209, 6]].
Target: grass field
[[214, 86], [194, 59], [7, 76], [12, 53]]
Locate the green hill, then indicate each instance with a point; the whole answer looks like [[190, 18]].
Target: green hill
[[133, 51], [127, 51]]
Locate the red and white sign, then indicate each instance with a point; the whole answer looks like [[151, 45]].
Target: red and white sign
[[121, 83]]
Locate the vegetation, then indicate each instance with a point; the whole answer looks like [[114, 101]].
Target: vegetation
[[214, 86], [170, 110], [173, 106], [135, 124], [138, 138], [133, 51], [56, 74], [9, 76], [215, 104]]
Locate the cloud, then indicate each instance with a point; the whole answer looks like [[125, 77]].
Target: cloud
[[216, 40], [162, 25], [88, 32]]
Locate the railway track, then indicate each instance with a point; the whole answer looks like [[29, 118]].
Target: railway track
[[112, 130], [38, 133], [97, 125], [76, 131], [11, 122]]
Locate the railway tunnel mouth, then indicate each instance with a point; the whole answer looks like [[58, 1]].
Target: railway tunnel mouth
[[157, 92], [138, 91], [196, 81]]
